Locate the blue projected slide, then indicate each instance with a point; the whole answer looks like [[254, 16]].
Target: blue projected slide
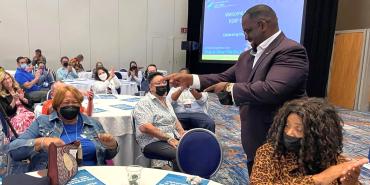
[[223, 37]]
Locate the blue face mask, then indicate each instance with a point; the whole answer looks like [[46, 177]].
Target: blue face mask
[[23, 66]]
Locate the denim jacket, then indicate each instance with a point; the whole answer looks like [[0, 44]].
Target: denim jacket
[[52, 126]]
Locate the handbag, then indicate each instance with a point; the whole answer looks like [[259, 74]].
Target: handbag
[[62, 165]]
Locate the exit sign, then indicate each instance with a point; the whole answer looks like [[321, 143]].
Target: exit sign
[[184, 30]]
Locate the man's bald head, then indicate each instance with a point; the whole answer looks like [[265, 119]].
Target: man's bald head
[[263, 13]]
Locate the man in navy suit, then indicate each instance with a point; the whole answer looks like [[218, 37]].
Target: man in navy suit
[[274, 71]]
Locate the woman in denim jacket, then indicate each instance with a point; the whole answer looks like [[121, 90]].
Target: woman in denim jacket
[[64, 126]]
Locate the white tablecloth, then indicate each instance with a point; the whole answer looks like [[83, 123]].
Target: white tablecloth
[[11, 72], [117, 175], [88, 75], [84, 74], [127, 87]]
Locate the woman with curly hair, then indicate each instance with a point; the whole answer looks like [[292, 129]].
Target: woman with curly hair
[[304, 146]]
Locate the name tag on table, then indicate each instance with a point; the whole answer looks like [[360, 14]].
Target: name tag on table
[[84, 177], [106, 96], [123, 107], [98, 110], [131, 99], [172, 179]]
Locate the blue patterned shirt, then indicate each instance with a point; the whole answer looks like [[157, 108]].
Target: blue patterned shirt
[[150, 110]]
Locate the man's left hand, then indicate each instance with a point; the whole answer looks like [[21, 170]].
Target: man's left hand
[[216, 88]]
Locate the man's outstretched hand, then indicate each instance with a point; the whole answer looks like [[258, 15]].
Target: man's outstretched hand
[[178, 79]]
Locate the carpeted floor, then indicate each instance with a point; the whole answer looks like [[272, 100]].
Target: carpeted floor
[[234, 168]]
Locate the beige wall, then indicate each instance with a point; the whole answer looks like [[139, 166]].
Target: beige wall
[[353, 14], [112, 31]]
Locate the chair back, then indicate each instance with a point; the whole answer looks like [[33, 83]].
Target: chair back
[[48, 95], [199, 153], [5, 120], [140, 159], [118, 74]]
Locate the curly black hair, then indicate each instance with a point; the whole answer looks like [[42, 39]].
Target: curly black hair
[[322, 127]]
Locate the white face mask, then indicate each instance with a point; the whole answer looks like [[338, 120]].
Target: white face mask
[[103, 76]]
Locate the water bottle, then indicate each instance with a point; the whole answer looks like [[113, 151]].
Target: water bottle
[[3, 155]]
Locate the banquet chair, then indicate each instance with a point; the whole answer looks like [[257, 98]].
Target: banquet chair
[[140, 159], [118, 74], [199, 153], [48, 95]]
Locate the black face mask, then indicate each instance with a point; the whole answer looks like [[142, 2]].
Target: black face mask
[[292, 144], [225, 98], [133, 68], [69, 112], [65, 64], [161, 90]]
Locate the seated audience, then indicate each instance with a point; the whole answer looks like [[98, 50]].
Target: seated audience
[[76, 63], [304, 146], [134, 74], [29, 82], [47, 107], [145, 82], [97, 65], [46, 76], [65, 125], [106, 83], [38, 58], [14, 103], [67, 72], [190, 107], [157, 128]]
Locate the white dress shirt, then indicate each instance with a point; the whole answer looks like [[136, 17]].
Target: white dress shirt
[[260, 49]]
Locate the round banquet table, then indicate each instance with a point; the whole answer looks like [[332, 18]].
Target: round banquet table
[[127, 87], [117, 175], [88, 75]]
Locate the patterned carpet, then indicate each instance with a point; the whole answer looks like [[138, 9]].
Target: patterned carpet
[[234, 168]]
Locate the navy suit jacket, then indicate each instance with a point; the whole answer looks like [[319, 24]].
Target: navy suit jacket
[[279, 75]]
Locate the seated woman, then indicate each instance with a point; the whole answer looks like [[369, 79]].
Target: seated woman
[[47, 107], [157, 128], [134, 74], [304, 146], [65, 125], [106, 83], [97, 65], [14, 103]]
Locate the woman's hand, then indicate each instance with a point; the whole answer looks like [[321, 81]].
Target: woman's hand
[[44, 142], [90, 95], [337, 171], [21, 95], [173, 142], [111, 74], [108, 141], [353, 172]]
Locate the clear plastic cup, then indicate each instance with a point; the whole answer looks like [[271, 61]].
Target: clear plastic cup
[[142, 93], [134, 174]]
